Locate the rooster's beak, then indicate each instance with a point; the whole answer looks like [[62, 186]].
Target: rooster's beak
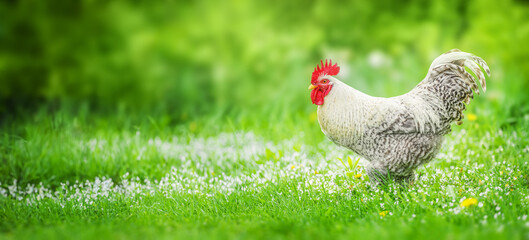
[[311, 87]]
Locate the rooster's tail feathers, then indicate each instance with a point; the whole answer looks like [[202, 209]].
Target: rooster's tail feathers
[[460, 60], [448, 84]]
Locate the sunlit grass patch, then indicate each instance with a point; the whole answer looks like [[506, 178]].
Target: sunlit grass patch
[[479, 180]]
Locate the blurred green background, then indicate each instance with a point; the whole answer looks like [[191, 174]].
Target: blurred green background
[[188, 60]]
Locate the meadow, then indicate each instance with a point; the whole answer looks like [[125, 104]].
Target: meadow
[[67, 177], [128, 120]]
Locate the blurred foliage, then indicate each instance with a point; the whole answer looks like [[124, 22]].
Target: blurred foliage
[[188, 58]]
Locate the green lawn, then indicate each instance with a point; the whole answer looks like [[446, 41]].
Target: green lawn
[[91, 177]]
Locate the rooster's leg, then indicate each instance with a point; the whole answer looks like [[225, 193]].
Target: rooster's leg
[[378, 174], [406, 180]]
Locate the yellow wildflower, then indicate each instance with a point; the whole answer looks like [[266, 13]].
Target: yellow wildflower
[[472, 117], [358, 175], [383, 213], [292, 167], [315, 171], [501, 172], [468, 202]]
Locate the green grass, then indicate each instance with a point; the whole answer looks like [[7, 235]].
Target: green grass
[[99, 177], [192, 120]]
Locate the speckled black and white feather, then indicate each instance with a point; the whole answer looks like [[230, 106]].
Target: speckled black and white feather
[[398, 134]]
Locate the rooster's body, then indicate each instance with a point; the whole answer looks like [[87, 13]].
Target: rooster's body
[[398, 134]]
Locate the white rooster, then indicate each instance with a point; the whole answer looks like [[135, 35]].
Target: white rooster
[[398, 134]]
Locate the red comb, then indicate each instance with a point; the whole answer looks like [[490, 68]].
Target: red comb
[[327, 69]]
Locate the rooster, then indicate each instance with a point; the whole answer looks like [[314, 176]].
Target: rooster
[[398, 134]]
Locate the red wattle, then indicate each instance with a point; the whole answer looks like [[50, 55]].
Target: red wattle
[[318, 94]]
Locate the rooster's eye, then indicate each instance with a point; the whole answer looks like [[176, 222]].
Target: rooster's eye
[[325, 81]]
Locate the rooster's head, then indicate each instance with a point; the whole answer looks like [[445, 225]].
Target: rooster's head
[[321, 82]]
